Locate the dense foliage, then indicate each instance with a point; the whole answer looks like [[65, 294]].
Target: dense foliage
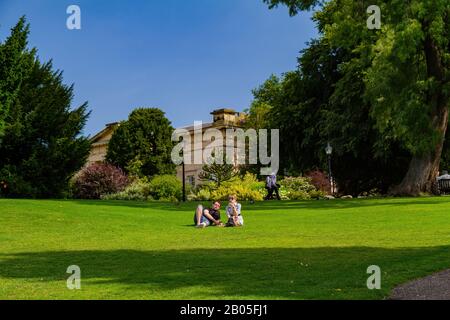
[[137, 190], [248, 188], [160, 188], [15, 62], [99, 179], [218, 172], [319, 180], [40, 142], [166, 187], [310, 112], [380, 96], [143, 144]]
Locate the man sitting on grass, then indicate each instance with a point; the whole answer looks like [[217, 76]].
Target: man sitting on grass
[[205, 217]]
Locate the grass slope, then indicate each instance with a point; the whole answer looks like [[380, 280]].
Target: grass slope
[[288, 250]]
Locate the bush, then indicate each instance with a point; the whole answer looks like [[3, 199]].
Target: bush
[[161, 188], [243, 193], [298, 195], [138, 190], [317, 194], [299, 188], [203, 194], [249, 188], [297, 184], [246, 189], [12, 184], [98, 180], [320, 180], [166, 188]]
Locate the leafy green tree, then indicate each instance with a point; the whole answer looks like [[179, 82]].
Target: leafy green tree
[[144, 140], [41, 147], [217, 173], [265, 98], [405, 71], [310, 111], [15, 63]]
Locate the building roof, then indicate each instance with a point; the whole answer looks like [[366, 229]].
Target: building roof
[[114, 125], [108, 127], [204, 126], [224, 110]]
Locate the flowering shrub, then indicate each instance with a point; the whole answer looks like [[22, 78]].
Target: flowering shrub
[[320, 180], [247, 188], [99, 179], [243, 193]]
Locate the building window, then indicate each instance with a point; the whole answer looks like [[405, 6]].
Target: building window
[[191, 180]]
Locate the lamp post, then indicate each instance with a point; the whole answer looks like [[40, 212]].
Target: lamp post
[[329, 152], [184, 174]]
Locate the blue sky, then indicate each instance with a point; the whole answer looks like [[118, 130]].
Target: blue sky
[[186, 57]]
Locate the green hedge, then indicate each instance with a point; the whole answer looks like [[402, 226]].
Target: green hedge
[[161, 188]]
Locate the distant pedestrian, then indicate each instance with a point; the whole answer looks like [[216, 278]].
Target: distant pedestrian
[[272, 186]]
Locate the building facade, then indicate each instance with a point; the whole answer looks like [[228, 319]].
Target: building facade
[[222, 119], [99, 144]]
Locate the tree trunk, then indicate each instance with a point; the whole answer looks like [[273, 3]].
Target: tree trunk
[[424, 169]]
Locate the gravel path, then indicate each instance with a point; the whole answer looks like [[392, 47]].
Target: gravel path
[[434, 287]]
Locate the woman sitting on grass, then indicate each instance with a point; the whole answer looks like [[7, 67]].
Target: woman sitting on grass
[[235, 218]]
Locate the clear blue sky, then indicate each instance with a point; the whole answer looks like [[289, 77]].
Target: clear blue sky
[[186, 57]]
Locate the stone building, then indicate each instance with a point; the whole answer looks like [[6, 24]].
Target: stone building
[[99, 144], [222, 119]]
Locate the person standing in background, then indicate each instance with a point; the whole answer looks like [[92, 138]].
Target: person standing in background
[[272, 186]]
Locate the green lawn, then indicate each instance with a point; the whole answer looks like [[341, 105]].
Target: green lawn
[[288, 250]]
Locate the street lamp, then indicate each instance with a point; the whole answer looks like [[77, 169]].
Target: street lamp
[[184, 174], [329, 152]]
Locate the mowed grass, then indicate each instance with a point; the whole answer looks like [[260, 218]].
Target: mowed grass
[[287, 250]]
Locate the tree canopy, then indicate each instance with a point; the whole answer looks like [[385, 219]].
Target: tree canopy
[[144, 140], [15, 63], [396, 78], [41, 144], [310, 111]]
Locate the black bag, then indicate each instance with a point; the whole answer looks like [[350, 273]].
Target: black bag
[[230, 222]]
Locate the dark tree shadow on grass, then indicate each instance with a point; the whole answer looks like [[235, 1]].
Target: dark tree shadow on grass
[[277, 273]]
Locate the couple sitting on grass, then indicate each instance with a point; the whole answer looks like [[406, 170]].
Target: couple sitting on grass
[[206, 217]]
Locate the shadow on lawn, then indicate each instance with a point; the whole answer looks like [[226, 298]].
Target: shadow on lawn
[[278, 273]]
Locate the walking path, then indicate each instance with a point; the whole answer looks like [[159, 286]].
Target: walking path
[[434, 287]]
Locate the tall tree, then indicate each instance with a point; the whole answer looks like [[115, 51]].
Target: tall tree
[[406, 67], [144, 139], [310, 111], [218, 171], [41, 146], [14, 65]]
